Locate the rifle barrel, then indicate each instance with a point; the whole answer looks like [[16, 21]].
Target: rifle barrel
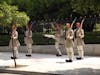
[[73, 22]]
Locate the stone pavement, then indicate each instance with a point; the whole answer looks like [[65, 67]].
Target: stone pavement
[[47, 64]]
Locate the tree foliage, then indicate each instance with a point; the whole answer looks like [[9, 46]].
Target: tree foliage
[[44, 9], [86, 6], [10, 15]]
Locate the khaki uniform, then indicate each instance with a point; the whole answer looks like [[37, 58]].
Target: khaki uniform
[[58, 39], [79, 35], [14, 43], [28, 41], [69, 43]]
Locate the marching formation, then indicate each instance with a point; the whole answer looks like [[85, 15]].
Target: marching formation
[[68, 37], [14, 43]]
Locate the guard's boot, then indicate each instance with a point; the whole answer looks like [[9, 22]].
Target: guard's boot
[[58, 55], [79, 58], [28, 55], [68, 60], [13, 57]]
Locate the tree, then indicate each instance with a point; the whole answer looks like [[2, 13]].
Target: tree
[[50, 9], [10, 14], [86, 7], [44, 9], [7, 1]]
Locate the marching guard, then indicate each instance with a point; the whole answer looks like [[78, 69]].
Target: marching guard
[[28, 40], [79, 35], [14, 43], [57, 37], [58, 34], [69, 34]]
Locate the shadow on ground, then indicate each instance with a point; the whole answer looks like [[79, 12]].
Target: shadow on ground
[[78, 71], [10, 72]]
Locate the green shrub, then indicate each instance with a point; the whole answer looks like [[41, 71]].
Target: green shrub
[[39, 39], [92, 37], [4, 39]]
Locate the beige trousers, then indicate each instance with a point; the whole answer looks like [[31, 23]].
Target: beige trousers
[[29, 48], [15, 52], [70, 53], [80, 51], [57, 47]]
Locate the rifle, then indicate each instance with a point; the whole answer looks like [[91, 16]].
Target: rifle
[[73, 22], [82, 23], [52, 25], [30, 28], [13, 51], [71, 25]]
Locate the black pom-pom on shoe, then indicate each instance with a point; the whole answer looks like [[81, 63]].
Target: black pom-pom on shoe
[[58, 55], [13, 57], [28, 55], [79, 58], [68, 60]]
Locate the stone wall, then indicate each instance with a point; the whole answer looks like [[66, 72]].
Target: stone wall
[[90, 49]]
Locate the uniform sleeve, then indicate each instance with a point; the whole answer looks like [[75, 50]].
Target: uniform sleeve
[[30, 34], [27, 34], [74, 30], [16, 35], [62, 32], [82, 34], [72, 34]]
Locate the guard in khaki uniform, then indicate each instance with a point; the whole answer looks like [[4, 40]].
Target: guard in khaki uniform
[[14, 43], [69, 34], [58, 41], [57, 37], [79, 35], [28, 40]]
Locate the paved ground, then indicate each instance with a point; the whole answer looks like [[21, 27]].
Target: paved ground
[[46, 64]]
